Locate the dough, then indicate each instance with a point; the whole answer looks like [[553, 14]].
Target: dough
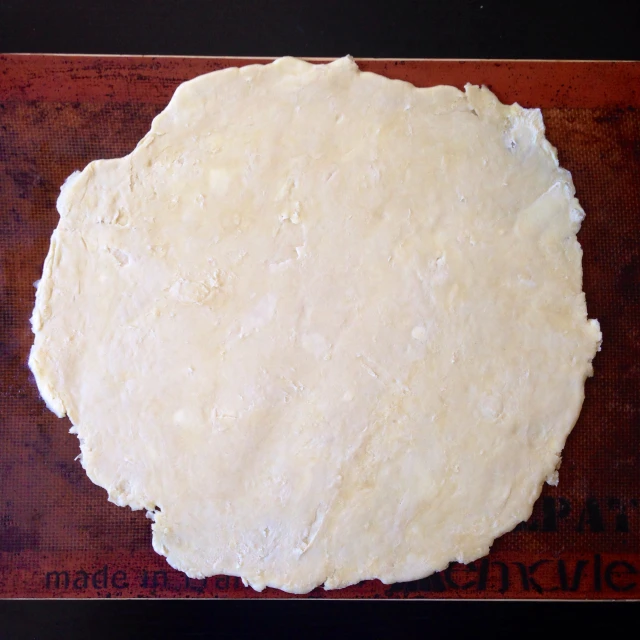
[[324, 326]]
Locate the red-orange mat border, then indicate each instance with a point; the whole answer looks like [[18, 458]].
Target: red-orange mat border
[[59, 537]]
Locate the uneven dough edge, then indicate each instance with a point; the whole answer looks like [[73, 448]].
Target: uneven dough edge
[[481, 101]]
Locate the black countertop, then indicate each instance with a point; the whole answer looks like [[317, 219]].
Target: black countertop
[[550, 29]]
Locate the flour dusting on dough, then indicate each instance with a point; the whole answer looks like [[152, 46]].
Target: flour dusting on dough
[[321, 325]]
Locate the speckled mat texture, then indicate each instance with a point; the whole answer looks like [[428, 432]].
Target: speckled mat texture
[[59, 537]]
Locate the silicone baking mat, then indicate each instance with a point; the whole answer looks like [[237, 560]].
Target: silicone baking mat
[[59, 537]]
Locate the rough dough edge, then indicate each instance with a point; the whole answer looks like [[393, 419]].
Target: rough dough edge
[[476, 98]]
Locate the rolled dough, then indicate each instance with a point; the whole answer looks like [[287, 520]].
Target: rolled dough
[[322, 325]]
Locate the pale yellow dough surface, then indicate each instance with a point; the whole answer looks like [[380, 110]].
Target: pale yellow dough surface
[[332, 325]]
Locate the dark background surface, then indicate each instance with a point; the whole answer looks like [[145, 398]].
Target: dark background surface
[[452, 29], [551, 29], [115, 620]]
